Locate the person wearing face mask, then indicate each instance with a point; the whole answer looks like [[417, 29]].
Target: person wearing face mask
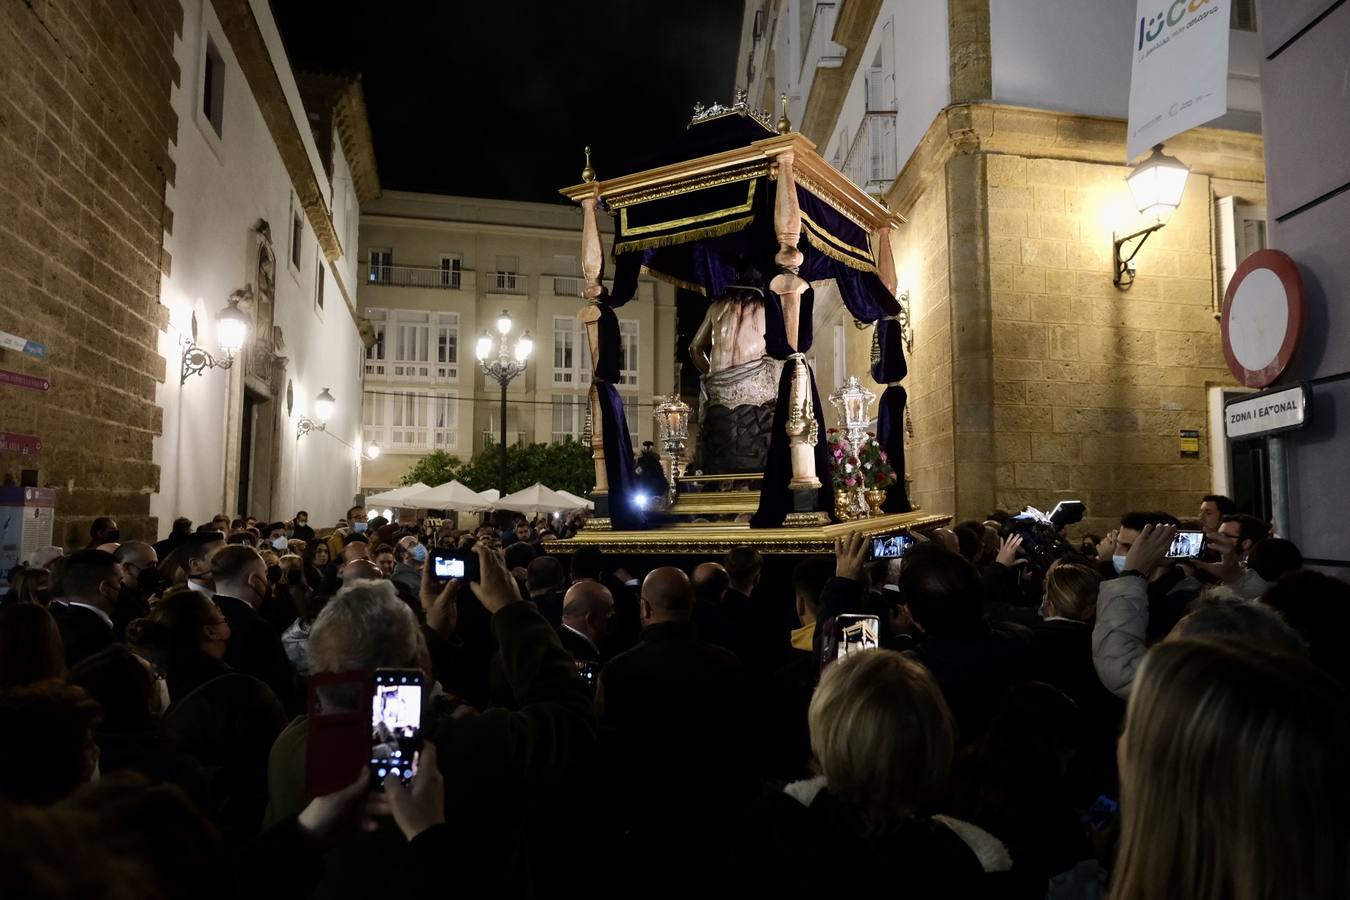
[[355, 523], [102, 531], [224, 719], [254, 646], [276, 537], [91, 583], [301, 530], [412, 556], [140, 581]]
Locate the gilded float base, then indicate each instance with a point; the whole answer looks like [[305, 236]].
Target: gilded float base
[[714, 538]]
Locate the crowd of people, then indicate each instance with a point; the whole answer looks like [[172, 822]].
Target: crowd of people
[[1115, 723]]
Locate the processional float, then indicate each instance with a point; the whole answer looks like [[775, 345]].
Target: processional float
[[723, 214]]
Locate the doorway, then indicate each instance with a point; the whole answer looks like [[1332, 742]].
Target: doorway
[[247, 420]]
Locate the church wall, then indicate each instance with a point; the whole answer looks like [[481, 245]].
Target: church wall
[[226, 184]]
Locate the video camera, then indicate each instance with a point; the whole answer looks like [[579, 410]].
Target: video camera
[[1042, 541]]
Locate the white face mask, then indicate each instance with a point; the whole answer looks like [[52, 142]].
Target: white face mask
[[279, 543], [162, 694], [1119, 562]]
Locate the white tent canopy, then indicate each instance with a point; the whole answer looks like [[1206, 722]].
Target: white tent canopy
[[577, 502], [397, 496], [535, 499], [492, 495], [451, 495]]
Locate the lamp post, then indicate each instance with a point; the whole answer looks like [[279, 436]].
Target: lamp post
[[1156, 184], [231, 332], [672, 426], [503, 369], [324, 406]]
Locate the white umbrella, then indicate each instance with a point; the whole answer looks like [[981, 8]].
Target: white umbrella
[[534, 499], [578, 502], [451, 495], [397, 496]]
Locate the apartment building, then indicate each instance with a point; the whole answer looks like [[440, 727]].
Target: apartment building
[[436, 273]]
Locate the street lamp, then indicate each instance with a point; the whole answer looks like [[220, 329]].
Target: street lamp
[[324, 405], [503, 369], [1157, 184], [231, 332]]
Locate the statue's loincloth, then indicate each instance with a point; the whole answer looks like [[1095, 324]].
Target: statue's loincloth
[[736, 416]]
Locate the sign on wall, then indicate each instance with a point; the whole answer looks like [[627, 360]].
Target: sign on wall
[[1262, 320], [1258, 415], [1179, 76]]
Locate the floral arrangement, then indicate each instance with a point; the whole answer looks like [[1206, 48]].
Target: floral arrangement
[[858, 467]]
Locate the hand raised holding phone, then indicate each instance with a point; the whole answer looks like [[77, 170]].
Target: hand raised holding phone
[[495, 589]]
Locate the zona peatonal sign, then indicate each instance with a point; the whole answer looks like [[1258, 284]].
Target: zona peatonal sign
[[1271, 412]]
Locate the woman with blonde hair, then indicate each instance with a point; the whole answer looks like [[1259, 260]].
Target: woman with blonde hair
[[1234, 784], [883, 739]]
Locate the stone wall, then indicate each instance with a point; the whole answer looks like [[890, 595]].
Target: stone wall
[[85, 130], [1033, 378]]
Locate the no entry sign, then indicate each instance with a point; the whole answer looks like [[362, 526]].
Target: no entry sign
[[1263, 316]]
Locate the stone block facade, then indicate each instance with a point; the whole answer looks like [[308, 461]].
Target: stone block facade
[[1033, 378], [86, 126]]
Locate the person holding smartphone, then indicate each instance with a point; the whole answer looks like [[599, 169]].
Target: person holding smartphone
[[489, 761]]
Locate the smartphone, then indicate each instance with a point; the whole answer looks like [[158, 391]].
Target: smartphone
[[589, 671], [892, 547], [1187, 545], [849, 633], [447, 563], [337, 726], [396, 724]]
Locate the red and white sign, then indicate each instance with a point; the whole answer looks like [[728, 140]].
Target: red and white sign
[[18, 379], [1263, 317]]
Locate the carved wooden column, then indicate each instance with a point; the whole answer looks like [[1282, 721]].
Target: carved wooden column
[[802, 428], [593, 269]]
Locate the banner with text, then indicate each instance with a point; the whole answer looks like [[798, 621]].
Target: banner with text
[[1179, 78]]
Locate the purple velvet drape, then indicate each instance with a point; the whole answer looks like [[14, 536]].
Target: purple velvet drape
[[891, 436]]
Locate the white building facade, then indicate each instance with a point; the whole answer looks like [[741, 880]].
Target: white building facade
[[266, 199], [436, 272]]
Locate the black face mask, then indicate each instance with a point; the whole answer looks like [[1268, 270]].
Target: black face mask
[[112, 537], [149, 582]]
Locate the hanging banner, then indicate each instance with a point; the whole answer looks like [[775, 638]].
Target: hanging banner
[[1179, 78]]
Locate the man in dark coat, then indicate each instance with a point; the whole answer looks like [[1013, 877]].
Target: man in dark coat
[[90, 583], [676, 731], [588, 610], [255, 648]]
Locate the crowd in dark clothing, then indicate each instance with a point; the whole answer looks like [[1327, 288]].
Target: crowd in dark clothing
[[1117, 723]]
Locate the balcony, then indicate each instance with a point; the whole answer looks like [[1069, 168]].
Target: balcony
[[509, 283], [871, 161], [433, 277], [515, 437], [821, 51]]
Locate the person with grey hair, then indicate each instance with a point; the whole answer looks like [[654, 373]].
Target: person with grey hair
[[492, 762]]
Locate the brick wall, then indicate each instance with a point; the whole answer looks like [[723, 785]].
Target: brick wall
[[1093, 384], [923, 259], [1033, 378], [85, 132]]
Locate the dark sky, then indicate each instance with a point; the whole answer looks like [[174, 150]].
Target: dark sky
[[497, 98]]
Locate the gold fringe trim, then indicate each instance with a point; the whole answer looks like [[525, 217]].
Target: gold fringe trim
[[671, 279], [851, 261], [824, 233], [684, 237]]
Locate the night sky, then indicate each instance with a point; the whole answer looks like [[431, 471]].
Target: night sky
[[497, 98]]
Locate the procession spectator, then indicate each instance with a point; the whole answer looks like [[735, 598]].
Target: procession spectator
[[103, 530], [64, 716], [300, 529], [30, 645], [1213, 509], [588, 609], [140, 582], [254, 646], [91, 584], [1247, 531]]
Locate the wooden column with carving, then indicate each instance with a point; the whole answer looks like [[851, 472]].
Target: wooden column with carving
[[593, 270], [802, 428]]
